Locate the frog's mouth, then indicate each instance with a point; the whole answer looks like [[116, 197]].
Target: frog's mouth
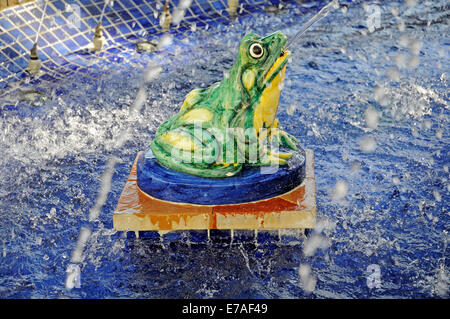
[[277, 66]]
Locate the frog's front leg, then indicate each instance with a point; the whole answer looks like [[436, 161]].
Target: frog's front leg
[[268, 151], [282, 138]]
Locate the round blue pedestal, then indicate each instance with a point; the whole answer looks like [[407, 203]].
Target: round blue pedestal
[[251, 184]]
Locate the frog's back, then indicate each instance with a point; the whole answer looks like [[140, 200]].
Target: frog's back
[[199, 107]]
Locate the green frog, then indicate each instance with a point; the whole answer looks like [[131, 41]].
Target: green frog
[[233, 122]]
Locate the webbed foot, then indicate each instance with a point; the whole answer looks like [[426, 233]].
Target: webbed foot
[[282, 138], [275, 158]]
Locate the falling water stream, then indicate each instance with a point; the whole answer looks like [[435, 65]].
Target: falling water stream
[[372, 105], [42, 21], [107, 2]]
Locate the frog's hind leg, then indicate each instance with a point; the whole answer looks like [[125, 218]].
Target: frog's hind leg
[[177, 151]]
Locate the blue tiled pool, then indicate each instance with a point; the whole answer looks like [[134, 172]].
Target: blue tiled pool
[[373, 106]]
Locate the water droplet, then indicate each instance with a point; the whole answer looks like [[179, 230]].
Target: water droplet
[[415, 46], [395, 180], [400, 60], [380, 95], [414, 132], [404, 41], [307, 280], [437, 195], [340, 190], [393, 74], [367, 144], [371, 117], [165, 41], [355, 166], [291, 109]]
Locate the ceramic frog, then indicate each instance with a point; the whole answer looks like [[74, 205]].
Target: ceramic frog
[[197, 139]]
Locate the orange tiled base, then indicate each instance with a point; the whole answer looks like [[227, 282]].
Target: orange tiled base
[[137, 211]]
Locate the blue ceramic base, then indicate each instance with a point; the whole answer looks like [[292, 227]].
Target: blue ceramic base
[[251, 184]]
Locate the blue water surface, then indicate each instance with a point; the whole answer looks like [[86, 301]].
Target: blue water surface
[[373, 106]]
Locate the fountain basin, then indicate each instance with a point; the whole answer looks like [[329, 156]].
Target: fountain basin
[[251, 184], [139, 211]]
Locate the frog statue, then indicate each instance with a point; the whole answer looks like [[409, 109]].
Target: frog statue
[[233, 122]]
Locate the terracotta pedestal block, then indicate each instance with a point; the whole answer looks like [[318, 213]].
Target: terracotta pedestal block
[[137, 211]]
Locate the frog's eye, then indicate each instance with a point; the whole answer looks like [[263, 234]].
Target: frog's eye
[[256, 50]]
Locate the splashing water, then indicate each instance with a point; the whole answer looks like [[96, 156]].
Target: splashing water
[[383, 205]]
